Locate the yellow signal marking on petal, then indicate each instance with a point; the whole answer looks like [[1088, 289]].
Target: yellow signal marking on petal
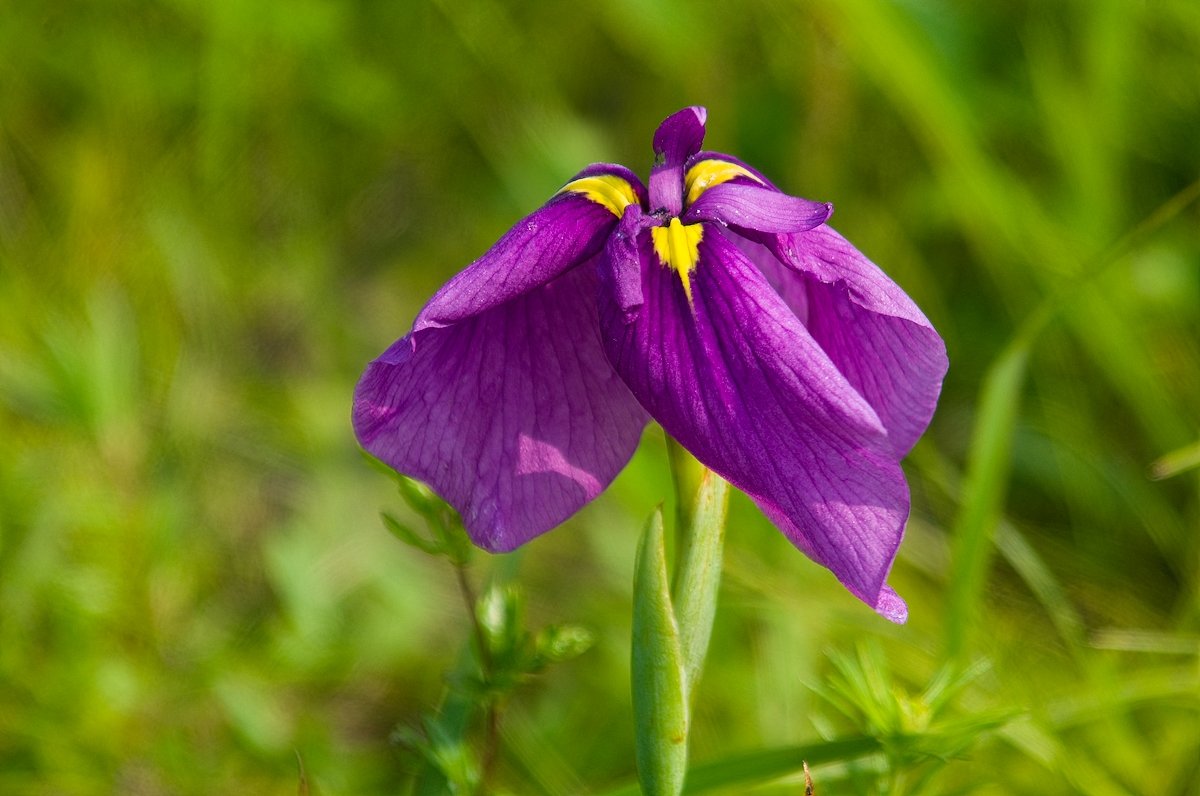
[[604, 189], [678, 248], [708, 173]]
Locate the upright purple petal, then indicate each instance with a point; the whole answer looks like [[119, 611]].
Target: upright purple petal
[[867, 325], [738, 380], [513, 415], [678, 138], [753, 173], [556, 237]]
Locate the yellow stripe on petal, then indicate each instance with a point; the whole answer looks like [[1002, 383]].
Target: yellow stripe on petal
[[605, 189], [678, 248], [708, 173]]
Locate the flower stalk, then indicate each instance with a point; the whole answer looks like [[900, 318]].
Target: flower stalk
[[672, 620]]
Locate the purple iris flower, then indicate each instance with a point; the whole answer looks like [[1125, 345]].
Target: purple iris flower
[[728, 311]]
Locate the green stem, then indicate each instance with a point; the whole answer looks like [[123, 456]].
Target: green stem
[[491, 719], [660, 705], [673, 619], [688, 475], [698, 573]]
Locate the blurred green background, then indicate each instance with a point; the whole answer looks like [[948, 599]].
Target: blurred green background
[[213, 213]]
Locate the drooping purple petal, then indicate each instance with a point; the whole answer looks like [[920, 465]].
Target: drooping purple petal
[[891, 606], [787, 283], [867, 325], [556, 237], [758, 208], [738, 380], [678, 138], [513, 415]]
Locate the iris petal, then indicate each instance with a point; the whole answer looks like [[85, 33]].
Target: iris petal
[[704, 174], [757, 208], [738, 380], [558, 236], [675, 141], [513, 415], [868, 326], [708, 155]]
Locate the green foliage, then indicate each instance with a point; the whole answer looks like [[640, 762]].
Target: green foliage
[[447, 537], [917, 733], [212, 214], [456, 746]]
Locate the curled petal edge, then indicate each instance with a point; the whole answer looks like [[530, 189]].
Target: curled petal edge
[[758, 208]]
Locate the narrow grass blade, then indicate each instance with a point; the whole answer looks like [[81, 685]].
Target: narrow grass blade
[[983, 494], [751, 769], [1041, 580], [1176, 462]]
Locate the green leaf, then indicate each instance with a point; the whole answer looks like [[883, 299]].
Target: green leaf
[[557, 643], [1176, 462], [443, 742], [419, 497], [410, 537], [500, 612], [453, 756], [761, 766], [754, 768], [659, 699]]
